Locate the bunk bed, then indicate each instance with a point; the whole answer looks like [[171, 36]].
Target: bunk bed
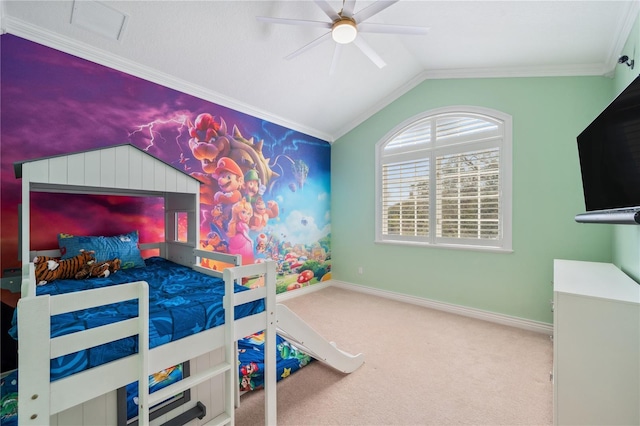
[[127, 170]]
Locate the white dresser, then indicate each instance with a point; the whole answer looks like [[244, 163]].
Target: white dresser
[[596, 349]]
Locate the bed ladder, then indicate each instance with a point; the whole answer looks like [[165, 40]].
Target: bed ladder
[[229, 366], [267, 293], [224, 367]]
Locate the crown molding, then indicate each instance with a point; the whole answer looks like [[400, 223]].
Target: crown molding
[[606, 69], [2, 17], [625, 25], [84, 51], [470, 73], [36, 34]]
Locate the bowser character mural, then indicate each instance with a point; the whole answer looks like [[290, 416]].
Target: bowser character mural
[[240, 200]]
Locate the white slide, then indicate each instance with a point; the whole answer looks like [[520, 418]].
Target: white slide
[[295, 330]]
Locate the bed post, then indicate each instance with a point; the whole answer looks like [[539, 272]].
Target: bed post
[[230, 383], [25, 210], [143, 354], [33, 351], [270, 412]]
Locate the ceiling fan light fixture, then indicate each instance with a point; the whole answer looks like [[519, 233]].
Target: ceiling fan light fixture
[[344, 31]]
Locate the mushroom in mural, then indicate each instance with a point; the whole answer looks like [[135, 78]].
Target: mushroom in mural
[[305, 277]]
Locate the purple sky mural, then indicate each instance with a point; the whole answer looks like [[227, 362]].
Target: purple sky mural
[[54, 103]]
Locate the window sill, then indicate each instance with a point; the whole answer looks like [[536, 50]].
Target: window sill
[[486, 249]]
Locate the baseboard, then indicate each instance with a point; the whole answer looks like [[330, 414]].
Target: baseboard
[[537, 326], [302, 291]]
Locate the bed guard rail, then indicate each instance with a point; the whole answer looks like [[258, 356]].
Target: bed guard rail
[[41, 398], [227, 260]]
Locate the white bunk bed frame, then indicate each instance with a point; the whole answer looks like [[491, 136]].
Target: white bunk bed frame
[[127, 170]]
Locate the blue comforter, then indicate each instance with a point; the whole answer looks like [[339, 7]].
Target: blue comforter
[[182, 302], [289, 359]]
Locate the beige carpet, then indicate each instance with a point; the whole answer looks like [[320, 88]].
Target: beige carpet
[[422, 367]]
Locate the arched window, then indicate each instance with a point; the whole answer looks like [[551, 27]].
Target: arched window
[[444, 178]]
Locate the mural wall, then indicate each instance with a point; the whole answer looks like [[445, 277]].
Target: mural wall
[[266, 188]]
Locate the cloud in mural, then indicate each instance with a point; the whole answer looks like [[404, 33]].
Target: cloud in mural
[[301, 229]]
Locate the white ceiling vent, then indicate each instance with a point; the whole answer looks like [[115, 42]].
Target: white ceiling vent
[[99, 18]]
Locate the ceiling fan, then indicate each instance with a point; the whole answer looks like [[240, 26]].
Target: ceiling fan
[[345, 27]]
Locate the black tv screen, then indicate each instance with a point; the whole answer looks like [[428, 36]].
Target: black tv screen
[[609, 150]]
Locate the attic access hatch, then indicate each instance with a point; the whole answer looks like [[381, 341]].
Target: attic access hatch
[[99, 18]]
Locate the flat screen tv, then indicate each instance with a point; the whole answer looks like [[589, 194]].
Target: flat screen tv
[[609, 150]]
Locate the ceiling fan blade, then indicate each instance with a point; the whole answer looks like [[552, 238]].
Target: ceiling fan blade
[[336, 58], [370, 27], [286, 21], [376, 7], [308, 46], [369, 52], [347, 8], [327, 9]]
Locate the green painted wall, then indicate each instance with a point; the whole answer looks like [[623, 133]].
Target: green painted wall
[[548, 113], [626, 239]]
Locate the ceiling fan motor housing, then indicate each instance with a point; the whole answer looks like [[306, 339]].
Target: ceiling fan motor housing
[[344, 31]]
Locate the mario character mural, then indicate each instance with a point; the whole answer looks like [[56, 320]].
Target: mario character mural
[[248, 206], [230, 180]]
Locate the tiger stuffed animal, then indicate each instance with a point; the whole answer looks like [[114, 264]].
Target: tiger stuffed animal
[[48, 268], [98, 269]]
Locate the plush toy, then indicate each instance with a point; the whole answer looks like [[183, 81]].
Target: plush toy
[[98, 269], [48, 269]]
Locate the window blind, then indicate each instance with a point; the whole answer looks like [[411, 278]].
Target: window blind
[[405, 198], [467, 193]]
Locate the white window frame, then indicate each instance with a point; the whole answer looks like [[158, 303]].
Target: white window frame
[[434, 150]]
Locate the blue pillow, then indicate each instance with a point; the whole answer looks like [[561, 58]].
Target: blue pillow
[[124, 247]]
